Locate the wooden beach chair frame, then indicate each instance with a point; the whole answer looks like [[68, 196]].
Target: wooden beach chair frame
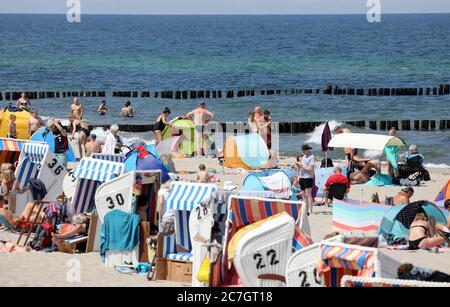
[[70, 246]]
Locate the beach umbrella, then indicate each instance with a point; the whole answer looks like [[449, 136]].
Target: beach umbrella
[[326, 138], [144, 159]]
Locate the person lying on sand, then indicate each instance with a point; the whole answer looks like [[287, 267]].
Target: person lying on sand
[[363, 175], [403, 197], [19, 220], [422, 234]]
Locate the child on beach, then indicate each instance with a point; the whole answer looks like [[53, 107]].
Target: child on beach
[[296, 190], [202, 175], [12, 129]]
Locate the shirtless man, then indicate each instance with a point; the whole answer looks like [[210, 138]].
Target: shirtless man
[[76, 109], [258, 113], [23, 102], [201, 117], [92, 146], [202, 175], [35, 123], [403, 197]]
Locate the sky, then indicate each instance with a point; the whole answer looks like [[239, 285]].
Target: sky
[[193, 7]]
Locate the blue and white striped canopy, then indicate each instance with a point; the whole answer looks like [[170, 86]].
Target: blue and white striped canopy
[[35, 152], [108, 157], [98, 170], [185, 196]]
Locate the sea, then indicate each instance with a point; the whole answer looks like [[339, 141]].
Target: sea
[[132, 52]]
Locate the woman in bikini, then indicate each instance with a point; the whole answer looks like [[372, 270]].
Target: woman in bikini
[[422, 234], [161, 123]]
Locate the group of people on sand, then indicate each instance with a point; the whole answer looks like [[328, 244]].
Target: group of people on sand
[[361, 170]]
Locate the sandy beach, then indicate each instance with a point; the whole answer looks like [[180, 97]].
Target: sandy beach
[[54, 269]]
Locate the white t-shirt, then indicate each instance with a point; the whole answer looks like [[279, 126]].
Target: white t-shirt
[[307, 161], [110, 144]]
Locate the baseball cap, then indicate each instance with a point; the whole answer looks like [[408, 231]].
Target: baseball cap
[[306, 147]]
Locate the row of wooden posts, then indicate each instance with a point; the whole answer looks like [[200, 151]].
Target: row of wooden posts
[[306, 127], [442, 89]]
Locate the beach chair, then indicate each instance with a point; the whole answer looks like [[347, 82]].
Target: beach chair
[[243, 211], [72, 245], [206, 216], [260, 251], [36, 161], [339, 259], [174, 260], [120, 193], [374, 282], [301, 269], [354, 215], [10, 150]]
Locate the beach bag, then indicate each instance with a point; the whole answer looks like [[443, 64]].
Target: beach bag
[[203, 273], [43, 237]]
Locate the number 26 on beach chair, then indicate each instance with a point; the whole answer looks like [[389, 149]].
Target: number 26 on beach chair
[[174, 256], [36, 161], [244, 211]]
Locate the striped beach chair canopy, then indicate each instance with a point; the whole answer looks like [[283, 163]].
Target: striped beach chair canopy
[[183, 198], [354, 215], [10, 150], [31, 157], [98, 170], [337, 260], [108, 157], [90, 174]]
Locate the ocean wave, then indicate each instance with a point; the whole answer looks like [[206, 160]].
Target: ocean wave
[[315, 137]]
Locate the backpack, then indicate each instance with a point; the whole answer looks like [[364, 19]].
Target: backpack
[[43, 237]]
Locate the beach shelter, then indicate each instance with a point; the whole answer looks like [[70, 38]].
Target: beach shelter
[[183, 198], [10, 150], [121, 193], [247, 151], [182, 126], [354, 215], [277, 185], [444, 193], [243, 211], [146, 159], [339, 259], [396, 221], [36, 161], [90, 174], [22, 122], [365, 141], [260, 251], [45, 135]]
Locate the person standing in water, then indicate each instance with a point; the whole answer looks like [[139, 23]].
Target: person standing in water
[[161, 122], [102, 108], [201, 117], [23, 102], [76, 109], [127, 110]]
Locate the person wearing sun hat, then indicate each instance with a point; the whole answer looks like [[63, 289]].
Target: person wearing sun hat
[[305, 169]]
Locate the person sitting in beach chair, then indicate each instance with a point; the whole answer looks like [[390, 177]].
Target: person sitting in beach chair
[[337, 186], [13, 221], [413, 167], [79, 227], [422, 234]]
